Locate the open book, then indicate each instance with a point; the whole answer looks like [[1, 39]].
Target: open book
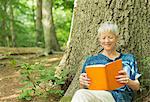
[[103, 76]]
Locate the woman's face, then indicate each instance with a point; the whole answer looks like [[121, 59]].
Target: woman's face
[[108, 41]]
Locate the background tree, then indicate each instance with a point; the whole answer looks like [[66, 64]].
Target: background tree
[[4, 15], [131, 16], [49, 29], [7, 25], [13, 36], [39, 27], [13, 23]]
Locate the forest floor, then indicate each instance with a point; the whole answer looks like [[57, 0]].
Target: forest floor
[[10, 74]]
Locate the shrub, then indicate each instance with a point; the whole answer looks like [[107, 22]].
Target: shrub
[[40, 81]]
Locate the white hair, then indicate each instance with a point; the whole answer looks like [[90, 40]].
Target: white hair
[[108, 26]]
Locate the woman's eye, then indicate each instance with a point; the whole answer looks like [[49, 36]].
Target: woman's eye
[[110, 37], [102, 37]]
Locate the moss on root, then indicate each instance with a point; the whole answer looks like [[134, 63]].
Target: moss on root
[[66, 99]]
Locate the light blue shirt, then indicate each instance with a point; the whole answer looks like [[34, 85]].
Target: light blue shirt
[[123, 94]]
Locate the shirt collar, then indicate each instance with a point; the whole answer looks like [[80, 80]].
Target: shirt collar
[[110, 60]]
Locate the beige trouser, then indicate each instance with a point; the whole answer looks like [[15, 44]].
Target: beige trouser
[[85, 95]]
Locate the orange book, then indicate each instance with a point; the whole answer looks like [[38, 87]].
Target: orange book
[[103, 76]]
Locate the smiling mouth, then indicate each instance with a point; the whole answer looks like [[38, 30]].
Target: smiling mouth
[[107, 44]]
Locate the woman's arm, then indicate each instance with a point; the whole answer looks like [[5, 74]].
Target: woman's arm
[[134, 84]]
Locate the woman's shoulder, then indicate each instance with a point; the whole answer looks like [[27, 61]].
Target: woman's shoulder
[[128, 56]]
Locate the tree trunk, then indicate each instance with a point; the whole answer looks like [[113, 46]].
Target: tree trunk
[[49, 30], [132, 17], [55, 44], [5, 31], [13, 36], [39, 27], [47, 25]]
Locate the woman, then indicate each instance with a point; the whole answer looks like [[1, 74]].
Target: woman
[[108, 38]]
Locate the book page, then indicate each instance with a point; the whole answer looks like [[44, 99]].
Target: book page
[[112, 71], [97, 75]]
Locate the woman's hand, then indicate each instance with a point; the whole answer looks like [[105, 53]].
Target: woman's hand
[[123, 77], [84, 80]]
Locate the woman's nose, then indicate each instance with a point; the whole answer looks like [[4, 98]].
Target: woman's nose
[[107, 40]]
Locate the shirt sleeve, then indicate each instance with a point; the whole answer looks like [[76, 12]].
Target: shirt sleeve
[[85, 64], [134, 70]]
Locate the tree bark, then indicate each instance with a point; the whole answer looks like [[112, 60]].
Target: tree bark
[[55, 44], [132, 17], [39, 27], [49, 30], [13, 36], [5, 32], [47, 25]]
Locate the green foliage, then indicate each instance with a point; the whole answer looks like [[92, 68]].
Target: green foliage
[[62, 13], [62, 21], [23, 23], [13, 62], [26, 94], [65, 4], [40, 81]]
